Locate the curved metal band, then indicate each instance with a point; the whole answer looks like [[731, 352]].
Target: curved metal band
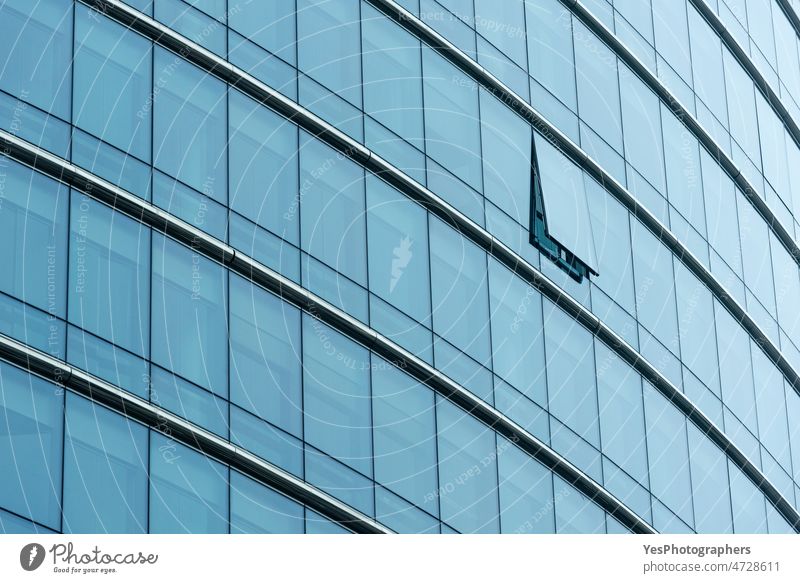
[[176, 427]]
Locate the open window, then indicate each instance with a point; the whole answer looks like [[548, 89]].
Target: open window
[[560, 224]]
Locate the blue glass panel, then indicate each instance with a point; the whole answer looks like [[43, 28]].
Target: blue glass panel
[[392, 76], [452, 127], [186, 203], [570, 373], [506, 147], [668, 453], [575, 513], [258, 509], [188, 490], [526, 492], [263, 167], [330, 50], [31, 326], [404, 435], [269, 24], [189, 401], [749, 510], [401, 516], [709, 76], [34, 125], [31, 418], [517, 338], [190, 125], [336, 395], [33, 238], [467, 471], [598, 90], [266, 441], [503, 23], [262, 65], [105, 470], [12, 524], [189, 318], [114, 165], [36, 41], [264, 247], [109, 271], [340, 481], [265, 365], [735, 370], [622, 427], [566, 209], [459, 291], [398, 250], [696, 325], [191, 23], [112, 82], [332, 202], [111, 363]]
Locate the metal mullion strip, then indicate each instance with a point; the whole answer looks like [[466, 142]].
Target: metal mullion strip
[[161, 420], [791, 14]]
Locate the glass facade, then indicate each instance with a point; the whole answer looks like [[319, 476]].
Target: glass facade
[[115, 294]]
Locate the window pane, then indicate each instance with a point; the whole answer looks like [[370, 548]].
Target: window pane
[[575, 513], [336, 395], [109, 274], [398, 250], [720, 199], [332, 209], [684, 184], [640, 115], [570, 373], [33, 238], [263, 167], [709, 78], [258, 509], [189, 321], [36, 44], [112, 82], [265, 356], [188, 490], [467, 471], [452, 129], [611, 231], [517, 338], [31, 417], [526, 492], [105, 471], [565, 206], [459, 290], [749, 512], [668, 454], [405, 435], [756, 255], [696, 324], [655, 286], [598, 90], [735, 369], [392, 76], [330, 50], [190, 125]]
